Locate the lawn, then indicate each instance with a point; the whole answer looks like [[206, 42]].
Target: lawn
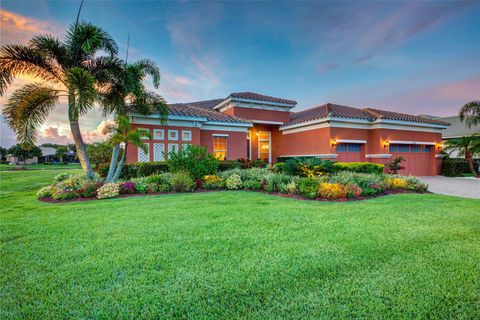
[[236, 255], [9, 167]]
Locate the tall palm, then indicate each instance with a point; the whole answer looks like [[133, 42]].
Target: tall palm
[[468, 147], [470, 113], [122, 132], [127, 93], [67, 69]]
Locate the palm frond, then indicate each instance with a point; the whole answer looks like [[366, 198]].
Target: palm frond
[[18, 60], [85, 39], [27, 109], [470, 113], [148, 67], [53, 48], [82, 86]]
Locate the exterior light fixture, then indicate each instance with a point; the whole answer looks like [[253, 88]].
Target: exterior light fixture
[[334, 143], [386, 144]]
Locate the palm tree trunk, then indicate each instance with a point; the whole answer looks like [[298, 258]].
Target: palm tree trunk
[[81, 150], [469, 159], [113, 163], [120, 166]]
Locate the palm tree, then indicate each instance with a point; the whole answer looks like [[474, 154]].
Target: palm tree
[[467, 146], [122, 132], [67, 69], [470, 113], [127, 93]]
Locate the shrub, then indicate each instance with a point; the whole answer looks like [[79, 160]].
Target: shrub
[[59, 194], [212, 182], [194, 159], [395, 165], [365, 181], [456, 167], [308, 187], [274, 181], [127, 187], [162, 181], [353, 191], [234, 182], [397, 183], [228, 164], [253, 179], [259, 163], [141, 185], [89, 190], [182, 182], [409, 183], [279, 167], [289, 188], [45, 192], [332, 190], [307, 166], [245, 163], [359, 167], [134, 170], [108, 190], [61, 177]]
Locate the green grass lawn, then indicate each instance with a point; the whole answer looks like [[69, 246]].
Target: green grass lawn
[[236, 255], [9, 167]]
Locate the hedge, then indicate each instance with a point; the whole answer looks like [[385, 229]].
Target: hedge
[[454, 167], [135, 170], [359, 167]]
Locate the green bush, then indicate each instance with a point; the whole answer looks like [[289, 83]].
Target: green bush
[[141, 184], [228, 165], [456, 167], [161, 182], [365, 181], [194, 159], [45, 192], [135, 170], [359, 167], [308, 187], [259, 163], [234, 182], [61, 177], [212, 182], [300, 166], [275, 181], [182, 182], [279, 167]]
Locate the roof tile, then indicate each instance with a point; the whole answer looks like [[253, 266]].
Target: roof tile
[[261, 97]]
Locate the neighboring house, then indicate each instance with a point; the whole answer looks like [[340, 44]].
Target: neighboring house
[[255, 126], [48, 154], [456, 130], [11, 159]]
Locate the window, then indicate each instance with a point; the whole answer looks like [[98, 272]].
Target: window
[[172, 147], [410, 148], [144, 156], [349, 147], [220, 145], [185, 146], [172, 134], [264, 146], [144, 129], [158, 152], [187, 135], [158, 134]]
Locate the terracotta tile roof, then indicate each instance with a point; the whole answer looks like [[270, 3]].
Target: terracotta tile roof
[[325, 110], [390, 115], [339, 111], [208, 104], [261, 97], [190, 110]]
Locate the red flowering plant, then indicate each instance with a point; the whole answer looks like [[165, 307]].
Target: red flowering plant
[[395, 165]]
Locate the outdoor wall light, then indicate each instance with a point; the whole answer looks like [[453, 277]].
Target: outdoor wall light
[[386, 144], [334, 143]]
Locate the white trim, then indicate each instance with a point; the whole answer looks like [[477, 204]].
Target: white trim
[[223, 128], [378, 156], [249, 141], [169, 123], [145, 129], [135, 115], [411, 142], [267, 122], [220, 135], [263, 104], [176, 135], [324, 155], [439, 156], [229, 124], [351, 141], [301, 129]]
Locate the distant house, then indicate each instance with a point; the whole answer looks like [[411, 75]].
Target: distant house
[[48, 154], [458, 128], [11, 159]]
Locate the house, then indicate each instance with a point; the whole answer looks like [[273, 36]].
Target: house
[[255, 126], [14, 160]]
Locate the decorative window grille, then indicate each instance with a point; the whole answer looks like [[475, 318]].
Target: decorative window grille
[[144, 156], [172, 147], [158, 152]]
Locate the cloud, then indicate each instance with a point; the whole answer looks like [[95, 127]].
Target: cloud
[[184, 80], [325, 68], [52, 135], [364, 58], [19, 29]]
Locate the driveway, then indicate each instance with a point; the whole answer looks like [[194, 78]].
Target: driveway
[[462, 187]]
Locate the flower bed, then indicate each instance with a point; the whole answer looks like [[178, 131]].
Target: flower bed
[[339, 186]]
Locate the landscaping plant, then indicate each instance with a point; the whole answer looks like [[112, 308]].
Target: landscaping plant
[[195, 160], [395, 165]]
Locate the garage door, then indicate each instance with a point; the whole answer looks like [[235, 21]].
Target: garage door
[[349, 152], [419, 159]]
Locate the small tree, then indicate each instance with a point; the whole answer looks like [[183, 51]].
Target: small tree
[[466, 146], [23, 152], [60, 152], [470, 113], [99, 152], [395, 165]]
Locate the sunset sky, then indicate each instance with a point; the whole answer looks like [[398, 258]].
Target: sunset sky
[[412, 57]]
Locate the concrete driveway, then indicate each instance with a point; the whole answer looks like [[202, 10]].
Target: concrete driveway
[[462, 187]]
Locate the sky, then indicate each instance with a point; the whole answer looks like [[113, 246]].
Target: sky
[[410, 57]]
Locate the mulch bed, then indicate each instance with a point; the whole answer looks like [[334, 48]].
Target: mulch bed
[[361, 198]]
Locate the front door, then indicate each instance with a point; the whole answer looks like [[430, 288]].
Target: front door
[[264, 146]]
